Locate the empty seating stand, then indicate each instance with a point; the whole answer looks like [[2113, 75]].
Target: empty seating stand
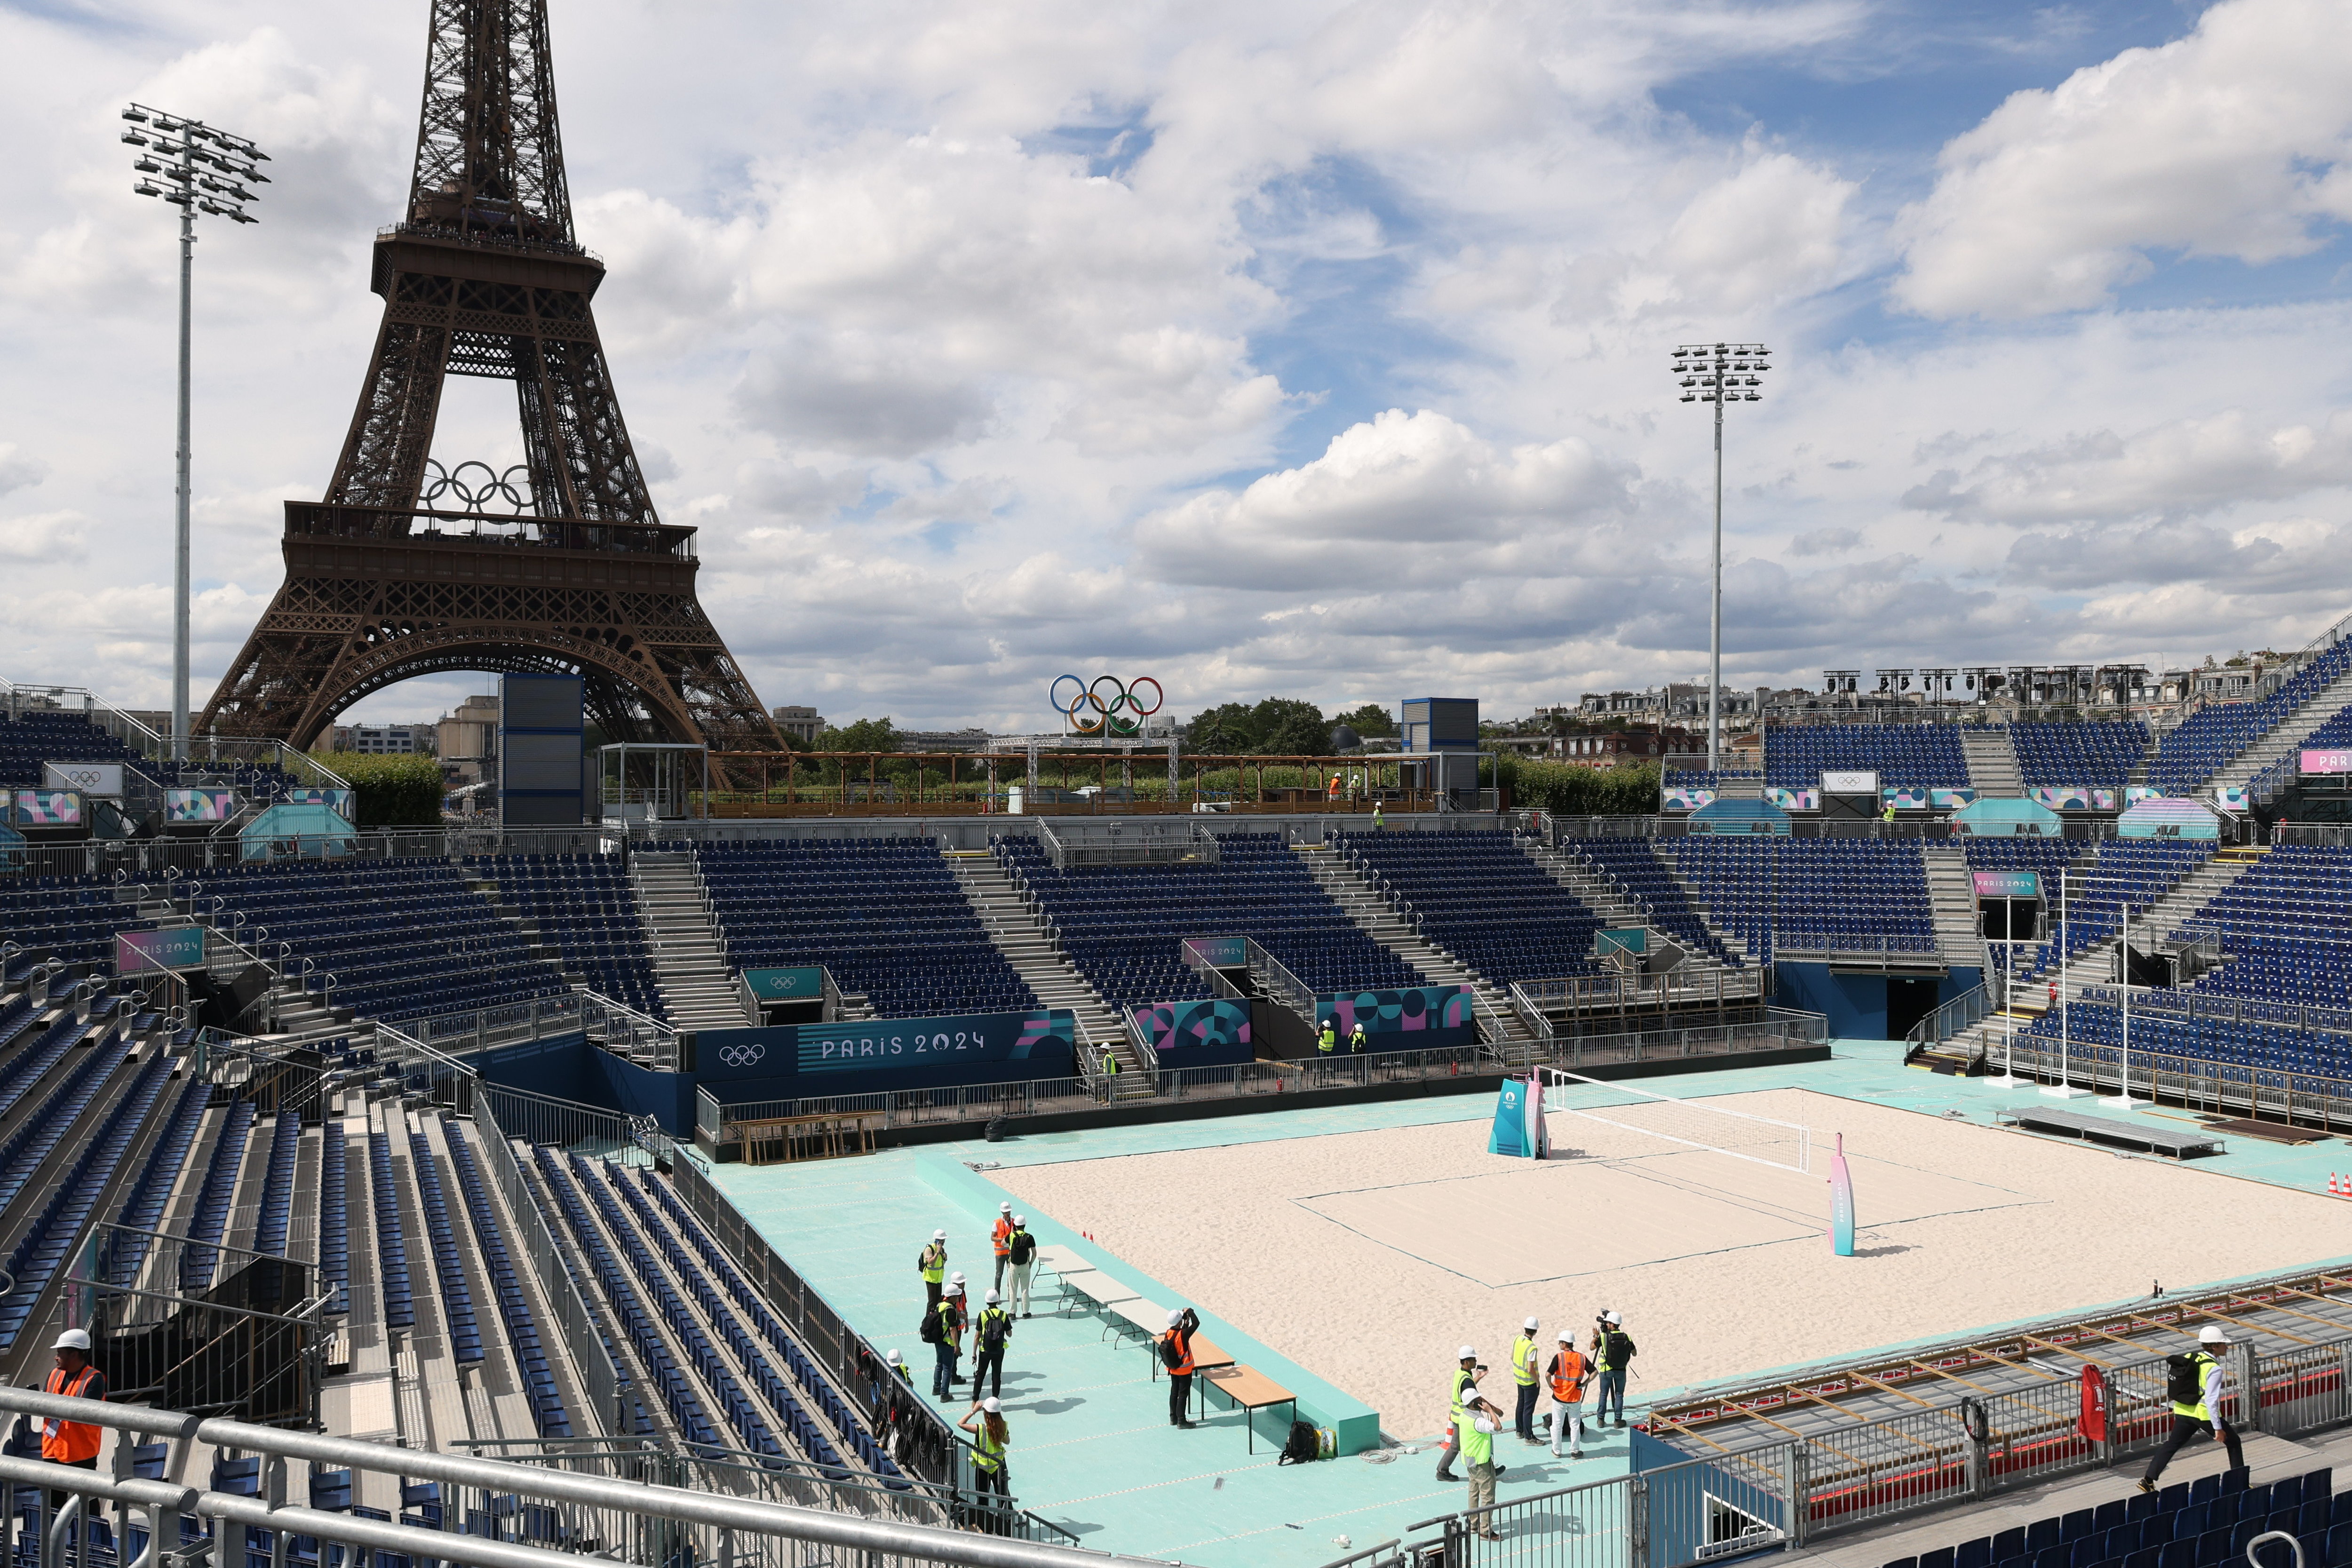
[[2206, 1524], [1904, 756], [2205, 742], [2287, 926], [1123, 926], [2089, 754], [402, 939], [886, 916], [514, 1307], [72, 919], [1817, 895], [448, 1266], [584, 905], [1632, 864], [1480, 897]]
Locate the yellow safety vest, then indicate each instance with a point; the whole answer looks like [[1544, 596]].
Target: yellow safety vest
[[1523, 1360], [935, 1268], [987, 1453], [2197, 1412], [1461, 1380]]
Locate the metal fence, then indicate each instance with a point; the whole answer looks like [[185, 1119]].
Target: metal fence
[[1768, 1029], [494, 1514], [601, 1383], [920, 1438], [1865, 1471]]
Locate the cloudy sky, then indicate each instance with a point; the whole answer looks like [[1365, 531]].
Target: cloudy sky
[[1302, 348]]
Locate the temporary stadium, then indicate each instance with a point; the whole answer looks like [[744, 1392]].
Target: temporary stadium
[[579, 1178]]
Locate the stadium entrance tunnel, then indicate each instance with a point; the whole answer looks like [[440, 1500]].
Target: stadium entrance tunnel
[[1908, 1000]]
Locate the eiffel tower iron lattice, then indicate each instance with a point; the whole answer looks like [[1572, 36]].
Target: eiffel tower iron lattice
[[484, 277]]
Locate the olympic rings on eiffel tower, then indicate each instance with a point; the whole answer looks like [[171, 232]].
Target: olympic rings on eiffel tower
[[1088, 711], [513, 487]]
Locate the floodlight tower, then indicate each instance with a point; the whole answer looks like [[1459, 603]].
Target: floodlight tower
[[1718, 374], [198, 169]]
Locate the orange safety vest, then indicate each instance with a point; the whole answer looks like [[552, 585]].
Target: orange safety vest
[[67, 1442], [1184, 1348], [1003, 1236], [1567, 1377]]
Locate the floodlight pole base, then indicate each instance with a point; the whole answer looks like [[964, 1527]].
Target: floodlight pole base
[[2008, 1080], [2064, 1091], [2122, 1101]]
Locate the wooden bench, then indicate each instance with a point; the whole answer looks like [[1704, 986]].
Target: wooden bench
[[1208, 1360], [1251, 1392], [1099, 1289], [773, 1139]]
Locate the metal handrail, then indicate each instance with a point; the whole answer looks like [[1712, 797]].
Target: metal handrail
[[849, 1532]]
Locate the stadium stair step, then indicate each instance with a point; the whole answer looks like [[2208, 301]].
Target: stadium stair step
[[2287, 738], [1953, 894], [689, 955], [1993, 770], [1387, 925], [1020, 934]]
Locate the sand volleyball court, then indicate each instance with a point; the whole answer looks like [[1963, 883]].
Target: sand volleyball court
[[1367, 1257]]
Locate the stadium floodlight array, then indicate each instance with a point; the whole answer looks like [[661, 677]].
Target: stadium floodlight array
[[198, 168], [1718, 374]]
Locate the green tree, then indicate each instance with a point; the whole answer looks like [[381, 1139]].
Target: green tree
[[1289, 727], [1372, 721], [391, 791], [1224, 730]]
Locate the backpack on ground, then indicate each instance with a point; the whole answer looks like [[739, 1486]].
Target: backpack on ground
[[2184, 1378], [1303, 1446], [931, 1329]]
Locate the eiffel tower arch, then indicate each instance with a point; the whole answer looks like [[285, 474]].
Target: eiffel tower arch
[[402, 569]]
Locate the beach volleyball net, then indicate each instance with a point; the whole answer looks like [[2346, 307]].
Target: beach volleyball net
[[1695, 1124]]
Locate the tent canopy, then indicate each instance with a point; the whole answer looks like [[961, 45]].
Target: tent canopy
[[307, 832], [2007, 819], [2168, 818]]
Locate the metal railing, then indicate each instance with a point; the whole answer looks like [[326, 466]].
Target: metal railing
[[2310, 1100], [2196, 1007], [1573, 997], [1960, 1013], [1766, 1028], [602, 1384], [498, 1514], [920, 1438]]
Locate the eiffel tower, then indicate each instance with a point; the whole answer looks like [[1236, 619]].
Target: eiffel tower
[[404, 570]]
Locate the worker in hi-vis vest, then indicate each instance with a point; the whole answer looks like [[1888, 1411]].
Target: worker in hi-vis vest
[[933, 1267], [1567, 1374], [2197, 1386], [1358, 1041], [1000, 1237], [1523, 1379], [1466, 1379], [1326, 1039]]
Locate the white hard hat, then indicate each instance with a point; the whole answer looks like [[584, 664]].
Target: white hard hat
[[956, 1277], [1004, 1208], [939, 1236], [1566, 1338], [892, 1358], [2211, 1334], [1020, 1219], [992, 1406], [1611, 1319], [1531, 1325], [73, 1340], [1175, 1316], [1466, 1353], [992, 1298]]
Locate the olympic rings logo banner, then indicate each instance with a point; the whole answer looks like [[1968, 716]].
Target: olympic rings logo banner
[[1105, 706], [742, 1055]]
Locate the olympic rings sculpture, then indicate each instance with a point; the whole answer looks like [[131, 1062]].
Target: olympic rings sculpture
[[740, 1056], [1090, 712], [511, 488]]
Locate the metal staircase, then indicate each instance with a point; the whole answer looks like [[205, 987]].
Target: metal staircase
[[2288, 737], [1387, 925], [1992, 762], [1600, 892], [690, 956], [1021, 934], [1954, 898]]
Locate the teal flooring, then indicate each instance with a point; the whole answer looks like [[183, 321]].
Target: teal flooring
[[1092, 1449]]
